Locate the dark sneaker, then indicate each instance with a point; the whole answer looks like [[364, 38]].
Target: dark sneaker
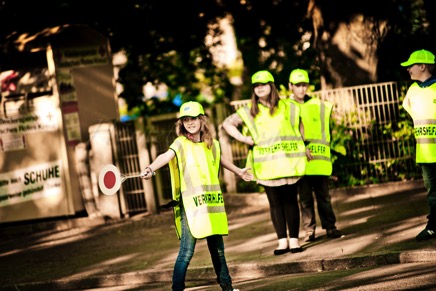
[[278, 252], [333, 233], [228, 288], [310, 236], [426, 234], [296, 250]]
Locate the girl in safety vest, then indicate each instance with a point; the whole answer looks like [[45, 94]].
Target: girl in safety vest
[[194, 159], [420, 103], [277, 154]]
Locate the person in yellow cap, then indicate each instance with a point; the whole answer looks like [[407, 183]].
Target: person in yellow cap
[[315, 115], [277, 154], [420, 103], [194, 159]]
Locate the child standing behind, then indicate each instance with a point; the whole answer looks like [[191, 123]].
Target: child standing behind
[[194, 159], [420, 103], [277, 154], [316, 117]]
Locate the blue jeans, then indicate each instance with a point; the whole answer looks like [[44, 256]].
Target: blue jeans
[[215, 244], [429, 176]]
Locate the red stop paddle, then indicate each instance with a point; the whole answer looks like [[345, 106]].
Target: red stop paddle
[[110, 179]]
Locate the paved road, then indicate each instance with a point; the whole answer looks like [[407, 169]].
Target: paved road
[[378, 250], [411, 276]]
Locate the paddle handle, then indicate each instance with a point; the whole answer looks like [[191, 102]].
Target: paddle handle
[[124, 177]]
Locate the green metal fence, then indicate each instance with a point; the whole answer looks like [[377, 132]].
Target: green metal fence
[[368, 120], [376, 132]]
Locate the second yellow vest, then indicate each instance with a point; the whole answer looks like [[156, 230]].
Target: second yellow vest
[[278, 150]]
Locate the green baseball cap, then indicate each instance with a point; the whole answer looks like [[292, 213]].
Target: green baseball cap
[[262, 77], [191, 108], [299, 76], [419, 57]]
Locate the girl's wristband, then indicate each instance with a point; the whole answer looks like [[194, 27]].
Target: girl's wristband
[[153, 173]]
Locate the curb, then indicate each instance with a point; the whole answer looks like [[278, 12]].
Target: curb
[[239, 272]]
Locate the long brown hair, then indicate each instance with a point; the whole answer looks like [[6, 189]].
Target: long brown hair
[[205, 134], [273, 99]]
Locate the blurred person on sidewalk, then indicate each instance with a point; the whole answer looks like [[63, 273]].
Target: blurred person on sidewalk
[[420, 103], [315, 115], [277, 154], [194, 159]]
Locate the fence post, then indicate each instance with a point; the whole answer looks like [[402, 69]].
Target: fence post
[[226, 148], [144, 155], [103, 147]]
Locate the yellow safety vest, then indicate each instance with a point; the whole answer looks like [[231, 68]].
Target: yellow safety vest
[[420, 103], [195, 178], [278, 150], [315, 115]]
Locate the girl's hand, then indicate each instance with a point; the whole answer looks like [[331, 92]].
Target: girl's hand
[[309, 154], [248, 140], [147, 173], [245, 175]]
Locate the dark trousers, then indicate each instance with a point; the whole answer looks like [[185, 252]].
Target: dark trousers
[[318, 185], [429, 176], [285, 214]]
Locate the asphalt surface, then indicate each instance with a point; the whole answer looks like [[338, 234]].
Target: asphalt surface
[[377, 250]]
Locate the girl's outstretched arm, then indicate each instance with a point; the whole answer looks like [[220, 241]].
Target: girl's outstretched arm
[[158, 163], [243, 173]]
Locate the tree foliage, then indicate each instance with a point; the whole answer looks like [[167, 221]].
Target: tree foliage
[[341, 43]]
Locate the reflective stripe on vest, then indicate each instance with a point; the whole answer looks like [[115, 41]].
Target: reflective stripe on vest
[[195, 170], [421, 105], [279, 149], [315, 115]]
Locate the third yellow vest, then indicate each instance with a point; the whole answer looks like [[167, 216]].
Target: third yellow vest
[[315, 115]]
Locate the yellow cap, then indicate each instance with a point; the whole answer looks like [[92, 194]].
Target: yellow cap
[[419, 57], [299, 76], [262, 77], [191, 108]]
